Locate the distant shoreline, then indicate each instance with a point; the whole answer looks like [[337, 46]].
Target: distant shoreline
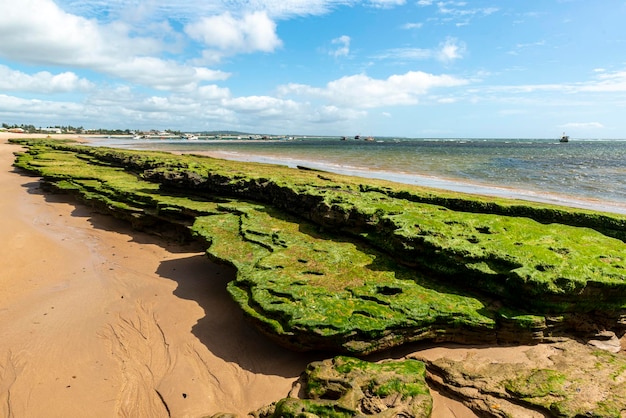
[[435, 182], [432, 182]]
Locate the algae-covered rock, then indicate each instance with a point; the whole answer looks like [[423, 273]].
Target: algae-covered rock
[[348, 387], [324, 261], [307, 289], [566, 379]]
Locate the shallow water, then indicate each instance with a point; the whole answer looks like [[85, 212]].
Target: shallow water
[[585, 173]]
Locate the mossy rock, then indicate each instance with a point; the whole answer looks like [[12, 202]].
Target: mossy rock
[[348, 387], [324, 261], [309, 289]]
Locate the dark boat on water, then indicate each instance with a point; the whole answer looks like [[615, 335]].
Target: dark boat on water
[[564, 138]]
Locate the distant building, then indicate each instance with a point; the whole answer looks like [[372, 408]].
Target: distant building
[[52, 130]]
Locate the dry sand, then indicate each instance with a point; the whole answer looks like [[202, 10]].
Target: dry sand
[[98, 320]]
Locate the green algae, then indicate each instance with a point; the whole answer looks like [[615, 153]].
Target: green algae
[[324, 261], [349, 387], [313, 285]]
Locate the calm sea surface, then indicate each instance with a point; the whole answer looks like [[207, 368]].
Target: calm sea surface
[[585, 173]]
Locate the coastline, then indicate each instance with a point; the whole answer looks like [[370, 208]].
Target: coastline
[[418, 179], [101, 320], [449, 184]]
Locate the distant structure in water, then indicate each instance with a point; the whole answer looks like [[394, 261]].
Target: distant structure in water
[[564, 138]]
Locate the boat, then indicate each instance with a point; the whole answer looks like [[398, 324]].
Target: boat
[[369, 139], [357, 137], [190, 137], [564, 138]]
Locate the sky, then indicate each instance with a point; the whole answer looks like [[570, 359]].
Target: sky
[[406, 68]]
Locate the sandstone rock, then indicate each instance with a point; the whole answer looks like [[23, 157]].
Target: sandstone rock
[[566, 379], [606, 340]]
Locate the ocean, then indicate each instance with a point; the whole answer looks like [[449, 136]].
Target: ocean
[[581, 173]]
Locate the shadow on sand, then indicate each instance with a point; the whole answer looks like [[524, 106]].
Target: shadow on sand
[[223, 329]]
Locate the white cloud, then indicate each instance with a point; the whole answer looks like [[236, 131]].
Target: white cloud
[[332, 114], [191, 9], [161, 74], [39, 32], [227, 35], [361, 91], [582, 125], [459, 11], [447, 51], [403, 54], [343, 46], [607, 83], [450, 50], [602, 83], [261, 105], [386, 4], [409, 26], [47, 112], [42, 82]]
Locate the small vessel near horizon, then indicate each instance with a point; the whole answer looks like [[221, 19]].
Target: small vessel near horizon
[[564, 138]]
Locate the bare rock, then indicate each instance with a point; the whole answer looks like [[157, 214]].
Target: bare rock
[[606, 340], [565, 379]]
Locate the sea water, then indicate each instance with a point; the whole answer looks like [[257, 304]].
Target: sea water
[[583, 173]]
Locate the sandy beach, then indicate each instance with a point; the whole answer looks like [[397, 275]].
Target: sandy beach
[[99, 320]]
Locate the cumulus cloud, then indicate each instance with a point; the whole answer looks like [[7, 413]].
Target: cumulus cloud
[[162, 74], [39, 32], [261, 105], [361, 91], [42, 82], [230, 35], [47, 111]]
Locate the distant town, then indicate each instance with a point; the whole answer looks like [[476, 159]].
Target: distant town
[[69, 129], [164, 134]]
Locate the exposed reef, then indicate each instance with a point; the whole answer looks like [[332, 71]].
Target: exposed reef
[[349, 387], [326, 262]]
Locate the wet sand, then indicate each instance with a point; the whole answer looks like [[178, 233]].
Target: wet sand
[[98, 320]]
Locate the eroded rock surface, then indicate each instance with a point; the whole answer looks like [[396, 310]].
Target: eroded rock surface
[[348, 387], [565, 379], [326, 262]]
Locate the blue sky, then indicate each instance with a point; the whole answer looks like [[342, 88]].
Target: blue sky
[[411, 68]]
